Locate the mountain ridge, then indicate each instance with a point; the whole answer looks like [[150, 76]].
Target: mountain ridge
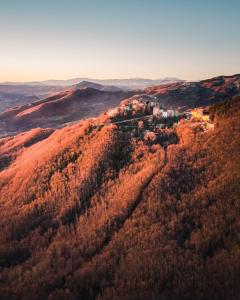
[[93, 211], [66, 106], [87, 99], [122, 83], [200, 93]]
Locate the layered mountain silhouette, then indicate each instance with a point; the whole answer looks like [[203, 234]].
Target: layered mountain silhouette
[[17, 95], [77, 102], [88, 99], [12, 95], [131, 83], [96, 210], [96, 86], [193, 94]]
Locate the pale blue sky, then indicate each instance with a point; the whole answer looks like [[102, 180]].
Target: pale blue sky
[[189, 39]]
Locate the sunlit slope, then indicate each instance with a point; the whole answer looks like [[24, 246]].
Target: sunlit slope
[[92, 212]]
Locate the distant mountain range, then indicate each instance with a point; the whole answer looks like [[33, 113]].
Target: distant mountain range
[[96, 86], [132, 83], [15, 95], [18, 93]]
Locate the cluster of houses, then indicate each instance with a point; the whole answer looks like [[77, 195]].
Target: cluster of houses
[[198, 114], [145, 104], [160, 112]]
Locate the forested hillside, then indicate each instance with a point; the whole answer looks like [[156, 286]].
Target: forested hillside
[[67, 106], [95, 212], [200, 93]]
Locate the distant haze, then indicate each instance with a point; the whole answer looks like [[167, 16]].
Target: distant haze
[[132, 83]]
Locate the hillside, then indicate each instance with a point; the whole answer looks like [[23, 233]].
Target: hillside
[[193, 94], [89, 99], [66, 106], [12, 95], [99, 211], [96, 86], [17, 95]]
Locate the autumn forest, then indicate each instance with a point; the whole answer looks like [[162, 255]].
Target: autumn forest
[[95, 212]]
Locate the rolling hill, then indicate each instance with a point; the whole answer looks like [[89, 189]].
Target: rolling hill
[[88, 99], [94, 211], [13, 95], [67, 106], [17, 95], [193, 94], [96, 86]]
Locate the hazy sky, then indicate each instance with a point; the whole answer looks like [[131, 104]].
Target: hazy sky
[[189, 39]]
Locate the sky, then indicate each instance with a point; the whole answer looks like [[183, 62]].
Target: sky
[[62, 39]]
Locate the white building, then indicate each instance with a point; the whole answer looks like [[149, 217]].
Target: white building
[[112, 112], [157, 111], [135, 101], [152, 104], [170, 113], [165, 114]]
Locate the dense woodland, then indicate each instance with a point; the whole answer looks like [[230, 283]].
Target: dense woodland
[[94, 212]]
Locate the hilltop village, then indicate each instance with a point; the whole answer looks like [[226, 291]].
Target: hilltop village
[[142, 104], [144, 115]]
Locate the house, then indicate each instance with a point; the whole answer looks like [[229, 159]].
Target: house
[[135, 101], [206, 118], [210, 126], [170, 113], [112, 112], [201, 114], [165, 114], [197, 113], [157, 111], [152, 104]]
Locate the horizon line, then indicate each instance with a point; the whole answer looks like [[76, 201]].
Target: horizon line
[[115, 78]]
